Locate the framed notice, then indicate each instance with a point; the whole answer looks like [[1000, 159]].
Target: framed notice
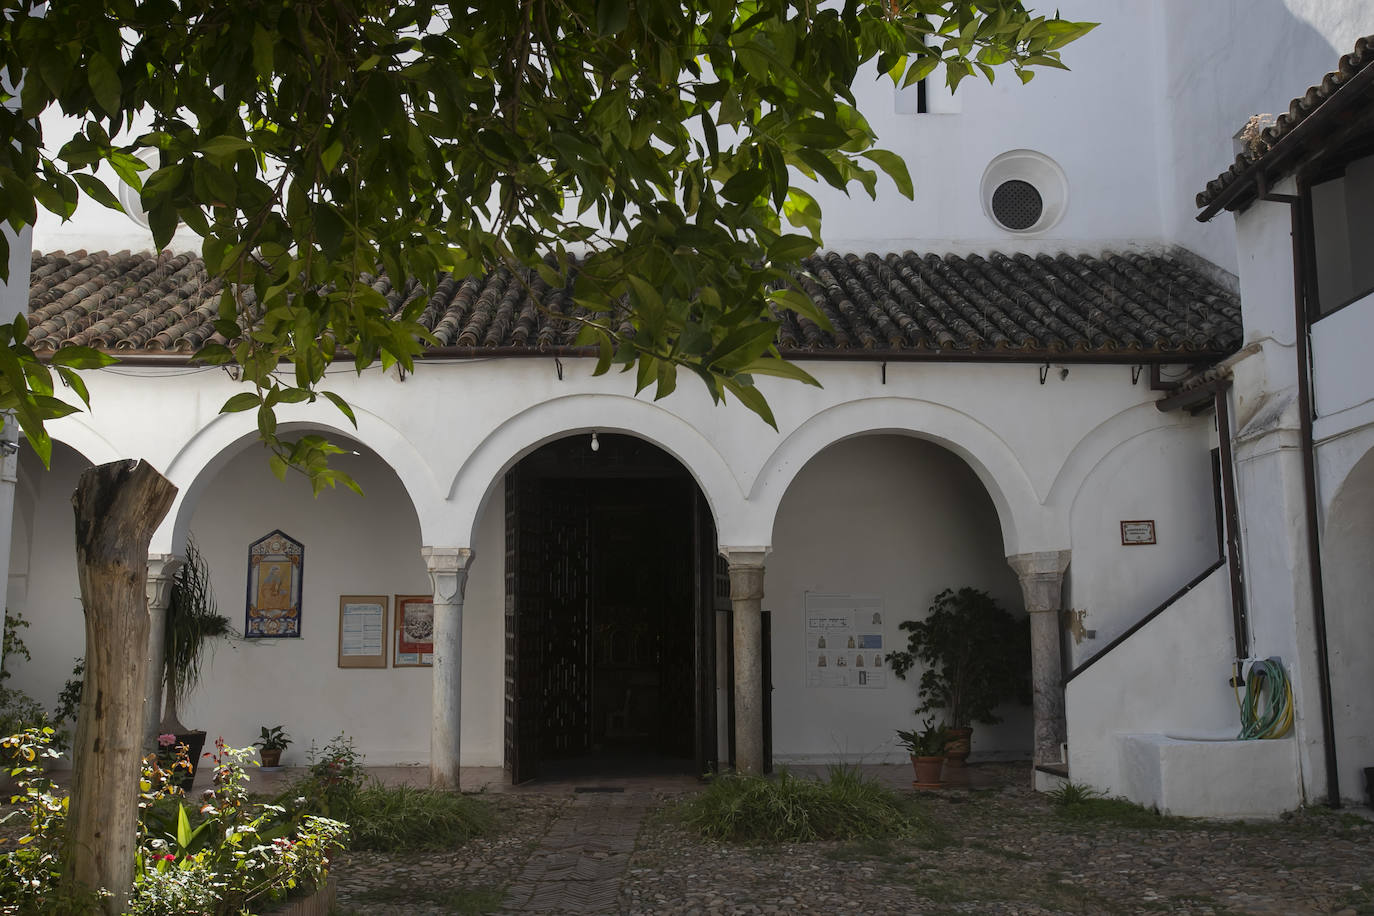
[[362, 631], [413, 639], [1138, 532]]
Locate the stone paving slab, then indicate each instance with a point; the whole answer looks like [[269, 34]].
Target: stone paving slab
[[581, 860]]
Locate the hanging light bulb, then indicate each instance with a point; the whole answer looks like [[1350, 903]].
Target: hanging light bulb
[[596, 444]]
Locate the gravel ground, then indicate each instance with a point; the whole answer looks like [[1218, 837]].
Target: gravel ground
[[1000, 849]]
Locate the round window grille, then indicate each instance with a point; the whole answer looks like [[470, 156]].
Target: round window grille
[[1016, 204]]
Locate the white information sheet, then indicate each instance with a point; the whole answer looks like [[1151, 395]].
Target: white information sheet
[[844, 640], [362, 630]]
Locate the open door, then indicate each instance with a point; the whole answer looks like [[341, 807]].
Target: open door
[[706, 602], [522, 630]]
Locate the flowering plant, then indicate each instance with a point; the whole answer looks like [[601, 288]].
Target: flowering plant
[[230, 854], [227, 855]]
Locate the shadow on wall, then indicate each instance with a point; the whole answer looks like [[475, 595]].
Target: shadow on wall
[[1225, 60], [1348, 578]]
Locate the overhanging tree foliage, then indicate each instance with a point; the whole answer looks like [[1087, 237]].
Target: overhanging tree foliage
[[656, 147]]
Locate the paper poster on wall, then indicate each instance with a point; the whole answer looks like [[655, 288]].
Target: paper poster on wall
[[362, 631], [844, 641]]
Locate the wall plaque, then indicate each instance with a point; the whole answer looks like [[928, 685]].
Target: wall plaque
[[1138, 532]]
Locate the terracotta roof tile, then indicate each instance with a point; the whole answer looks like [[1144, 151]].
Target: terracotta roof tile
[[999, 305]]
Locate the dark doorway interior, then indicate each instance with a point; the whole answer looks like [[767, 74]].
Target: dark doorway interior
[[610, 613]]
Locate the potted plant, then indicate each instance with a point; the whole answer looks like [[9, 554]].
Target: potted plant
[[976, 657], [193, 623], [927, 749], [270, 745]]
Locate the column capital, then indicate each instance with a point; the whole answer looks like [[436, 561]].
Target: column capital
[[1040, 563], [162, 570], [446, 559], [745, 556], [448, 572]]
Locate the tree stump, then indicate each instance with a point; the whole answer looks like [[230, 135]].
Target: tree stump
[[118, 507]]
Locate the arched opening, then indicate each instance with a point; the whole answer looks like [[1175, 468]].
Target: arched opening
[[352, 546], [43, 585], [1348, 578], [869, 530], [611, 603]]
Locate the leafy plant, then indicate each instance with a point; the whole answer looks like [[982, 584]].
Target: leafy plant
[[13, 644], [273, 739], [790, 809], [313, 148], [193, 623], [19, 713], [228, 855], [335, 777], [976, 657], [928, 741]]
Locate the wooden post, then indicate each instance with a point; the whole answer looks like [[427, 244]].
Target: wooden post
[[118, 507]]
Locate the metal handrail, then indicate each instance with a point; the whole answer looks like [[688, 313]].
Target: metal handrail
[[1197, 580]]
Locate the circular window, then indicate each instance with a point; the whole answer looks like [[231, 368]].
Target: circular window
[[1016, 204], [1024, 191]]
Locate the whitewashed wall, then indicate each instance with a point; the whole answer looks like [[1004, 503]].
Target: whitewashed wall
[[1155, 476], [877, 515], [1169, 678]]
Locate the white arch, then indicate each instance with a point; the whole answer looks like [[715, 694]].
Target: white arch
[[1101, 441], [476, 480], [1025, 525], [212, 447], [76, 431]]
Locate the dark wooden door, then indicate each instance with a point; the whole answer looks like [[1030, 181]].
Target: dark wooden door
[[524, 619], [705, 601], [563, 581], [766, 647]]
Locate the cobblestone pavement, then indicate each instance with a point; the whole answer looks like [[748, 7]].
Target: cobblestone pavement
[[992, 847]]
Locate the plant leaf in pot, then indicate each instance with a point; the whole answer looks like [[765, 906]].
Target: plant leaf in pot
[[193, 625], [976, 656]]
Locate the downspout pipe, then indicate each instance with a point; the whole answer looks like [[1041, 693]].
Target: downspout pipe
[[1239, 621]]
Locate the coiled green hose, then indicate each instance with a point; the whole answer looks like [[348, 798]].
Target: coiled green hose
[[1267, 708]]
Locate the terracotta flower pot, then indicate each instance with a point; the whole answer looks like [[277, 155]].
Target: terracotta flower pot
[[270, 757], [958, 746], [928, 770]]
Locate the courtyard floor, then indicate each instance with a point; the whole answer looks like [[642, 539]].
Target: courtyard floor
[[613, 846]]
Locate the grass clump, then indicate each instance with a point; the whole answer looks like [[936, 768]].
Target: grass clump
[[385, 818], [407, 819], [791, 809], [1084, 804]]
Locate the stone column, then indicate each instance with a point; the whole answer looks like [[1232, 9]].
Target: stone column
[[448, 576], [1042, 583], [162, 569], [746, 599]]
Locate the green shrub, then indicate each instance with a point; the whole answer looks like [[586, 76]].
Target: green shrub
[[791, 809], [385, 818]]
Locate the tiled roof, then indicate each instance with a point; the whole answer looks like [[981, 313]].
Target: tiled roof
[[1113, 307], [1261, 143]]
